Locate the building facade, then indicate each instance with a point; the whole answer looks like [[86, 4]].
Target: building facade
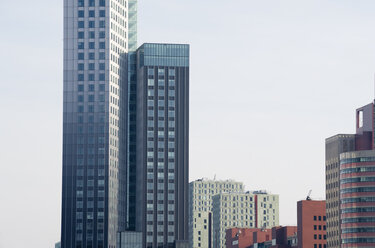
[[162, 144], [94, 120], [256, 209], [311, 223], [363, 139], [200, 208], [357, 180]]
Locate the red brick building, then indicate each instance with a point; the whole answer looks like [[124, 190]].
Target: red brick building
[[311, 220], [246, 237]]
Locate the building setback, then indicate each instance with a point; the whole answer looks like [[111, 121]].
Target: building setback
[[162, 144], [311, 223], [200, 208], [243, 210]]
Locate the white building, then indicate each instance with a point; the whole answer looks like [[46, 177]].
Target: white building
[[200, 208], [243, 210]]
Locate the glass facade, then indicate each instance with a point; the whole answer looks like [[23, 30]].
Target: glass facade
[[162, 143], [94, 122]]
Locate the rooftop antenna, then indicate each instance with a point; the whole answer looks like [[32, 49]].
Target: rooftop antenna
[[308, 198]]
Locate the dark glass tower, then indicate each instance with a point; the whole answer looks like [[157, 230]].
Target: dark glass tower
[[98, 35], [162, 144]]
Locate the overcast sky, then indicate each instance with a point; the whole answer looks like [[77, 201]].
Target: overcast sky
[[270, 80]]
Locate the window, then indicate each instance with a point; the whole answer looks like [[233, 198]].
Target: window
[[91, 87], [315, 217], [80, 87], [91, 55], [101, 55], [101, 66], [81, 3], [91, 66], [91, 3], [102, 13], [102, 3], [81, 56], [81, 13], [101, 87], [320, 218], [81, 67], [102, 34], [81, 77], [91, 77], [91, 24], [102, 76], [101, 24], [101, 45], [91, 45], [81, 24], [91, 13], [81, 35], [315, 236], [314, 227], [92, 35]]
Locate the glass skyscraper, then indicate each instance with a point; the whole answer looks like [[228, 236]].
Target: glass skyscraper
[[107, 162], [162, 144], [98, 35]]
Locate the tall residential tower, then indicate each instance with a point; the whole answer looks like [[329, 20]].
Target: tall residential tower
[[162, 144]]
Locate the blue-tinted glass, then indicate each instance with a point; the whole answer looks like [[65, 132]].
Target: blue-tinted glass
[[102, 45], [102, 24], [91, 98], [81, 77], [81, 24], [91, 34], [91, 66], [102, 3], [101, 55], [81, 13], [81, 67], [91, 3], [91, 87], [81, 56], [81, 3], [91, 77], [81, 45], [101, 76], [91, 45], [101, 87], [102, 13], [80, 98], [101, 34], [91, 55], [81, 87], [101, 66], [92, 13], [81, 35], [91, 24], [91, 109]]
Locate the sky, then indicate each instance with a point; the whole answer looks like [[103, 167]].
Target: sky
[[269, 82]]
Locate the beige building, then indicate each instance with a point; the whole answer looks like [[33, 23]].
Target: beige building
[[243, 210], [201, 193]]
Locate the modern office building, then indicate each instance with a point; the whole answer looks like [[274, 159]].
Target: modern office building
[[357, 180], [162, 144], [311, 224], [200, 208], [363, 139], [97, 38], [129, 239], [256, 209]]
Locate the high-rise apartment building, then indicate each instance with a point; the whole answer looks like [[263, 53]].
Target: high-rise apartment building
[[96, 43], [200, 208], [162, 144], [357, 180], [256, 209], [335, 146]]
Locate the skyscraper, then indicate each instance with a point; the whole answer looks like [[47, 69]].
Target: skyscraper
[[336, 146], [98, 34], [162, 144]]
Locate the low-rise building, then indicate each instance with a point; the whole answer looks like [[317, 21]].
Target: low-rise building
[[256, 209]]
